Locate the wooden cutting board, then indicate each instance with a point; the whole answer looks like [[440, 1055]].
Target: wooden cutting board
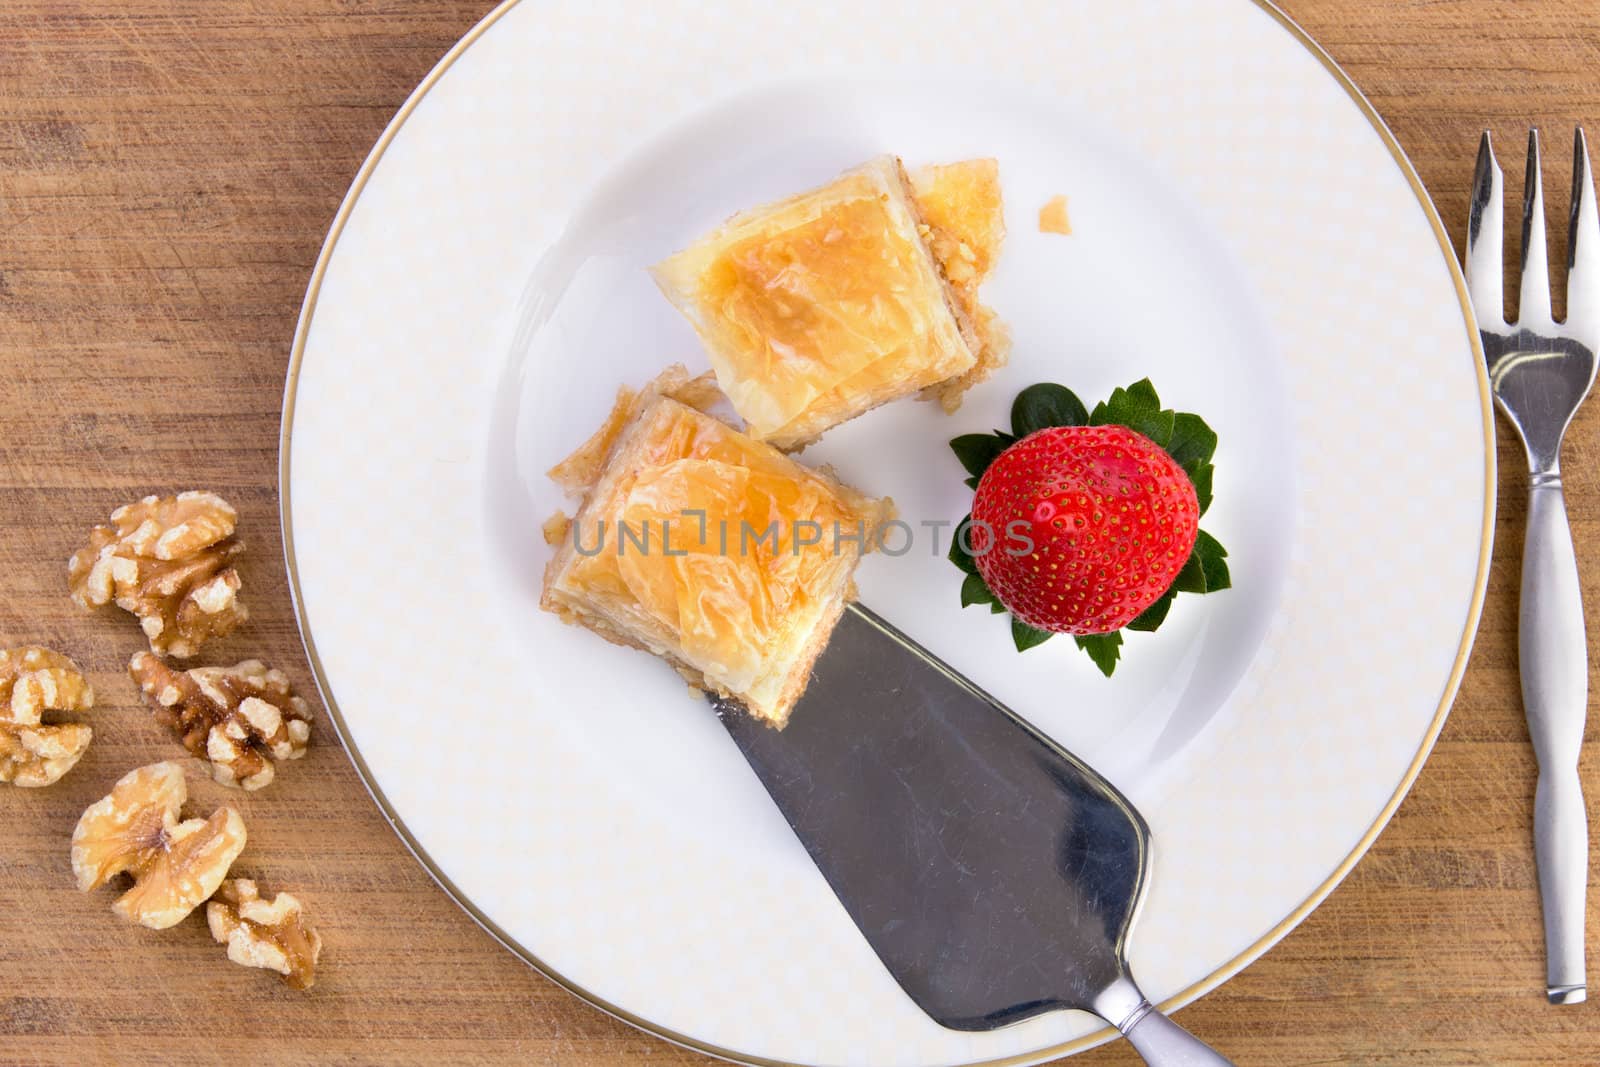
[[167, 172]]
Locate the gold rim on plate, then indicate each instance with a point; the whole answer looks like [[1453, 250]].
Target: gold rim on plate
[[1184, 996]]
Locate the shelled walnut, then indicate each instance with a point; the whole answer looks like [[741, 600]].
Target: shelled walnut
[[175, 865], [169, 561], [239, 718], [271, 935], [34, 680]]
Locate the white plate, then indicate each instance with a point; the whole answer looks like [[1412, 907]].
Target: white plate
[[1245, 232]]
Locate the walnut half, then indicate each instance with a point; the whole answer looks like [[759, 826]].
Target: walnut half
[[175, 865], [34, 680], [238, 718], [169, 561], [267, 934]]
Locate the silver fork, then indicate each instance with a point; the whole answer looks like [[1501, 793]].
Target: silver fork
[[1540, 371]]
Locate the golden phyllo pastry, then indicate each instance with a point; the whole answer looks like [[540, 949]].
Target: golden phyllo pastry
[[823, 306], [708, 548]]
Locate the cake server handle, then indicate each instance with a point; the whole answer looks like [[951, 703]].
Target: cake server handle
[[1156, 1038]]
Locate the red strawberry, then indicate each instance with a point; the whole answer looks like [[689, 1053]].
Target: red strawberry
[[1078, 529]]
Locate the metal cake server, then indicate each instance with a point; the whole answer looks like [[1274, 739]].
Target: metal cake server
[[994, 874], [1541, 371]]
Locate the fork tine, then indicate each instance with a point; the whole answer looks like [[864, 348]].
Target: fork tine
[[1534, 307], [1485, 225], [1583, 247]]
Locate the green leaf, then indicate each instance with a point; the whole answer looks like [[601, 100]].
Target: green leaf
[[1139, 409], [1205, 570], [957, 556], [997, 608], [1156, 614], [973, 591], [1026, 636], [1192, 440], [1192, 578], [1213, 559], [1200, 475], [1157, 427], [977, 450], [1104, 649], [1040, 406], [1138, 399]]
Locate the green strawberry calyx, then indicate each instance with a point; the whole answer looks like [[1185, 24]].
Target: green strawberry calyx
[[1184, 436]]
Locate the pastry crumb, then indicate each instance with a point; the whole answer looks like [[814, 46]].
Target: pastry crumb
[[1053, 217], [556, 528]]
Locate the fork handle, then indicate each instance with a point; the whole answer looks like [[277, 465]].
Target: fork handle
[[1555, 693]]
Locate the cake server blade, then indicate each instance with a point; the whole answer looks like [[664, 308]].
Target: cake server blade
[[995, 874]]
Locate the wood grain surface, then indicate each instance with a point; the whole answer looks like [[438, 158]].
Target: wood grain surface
[[167, 172]]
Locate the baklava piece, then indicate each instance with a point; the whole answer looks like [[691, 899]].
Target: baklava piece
[[710, 549], [827, 304]]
